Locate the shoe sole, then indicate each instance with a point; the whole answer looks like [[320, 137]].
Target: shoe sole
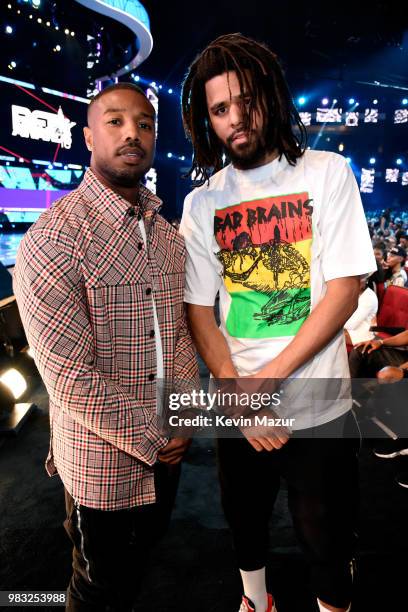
[[391, 455]]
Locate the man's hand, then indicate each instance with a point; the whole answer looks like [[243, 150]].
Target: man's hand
[[263, 438], [371, 345], [269, 442], [174, 450]]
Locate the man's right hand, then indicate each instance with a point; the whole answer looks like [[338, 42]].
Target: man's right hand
[[268, 443], [266, 438], [371, 345]]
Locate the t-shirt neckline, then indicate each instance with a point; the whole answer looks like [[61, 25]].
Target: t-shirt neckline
[[260, 173]]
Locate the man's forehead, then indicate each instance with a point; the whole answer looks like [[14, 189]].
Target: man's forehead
[[227, 83], [122, 100]]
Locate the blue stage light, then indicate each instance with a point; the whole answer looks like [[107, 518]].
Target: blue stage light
[[372, 160], [325, 101], [170, 91], [348, 159], [399, 161], [301, 100], [351, 100], [9, 30], [405, 101], [375, 101], [169, 154]]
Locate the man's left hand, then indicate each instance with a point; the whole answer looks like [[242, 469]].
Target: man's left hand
[[174, 450]]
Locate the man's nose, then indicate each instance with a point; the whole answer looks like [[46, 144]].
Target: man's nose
[[235, 115], [132, 131]]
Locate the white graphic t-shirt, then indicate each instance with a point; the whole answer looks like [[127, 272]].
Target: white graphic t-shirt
[[268, 240]]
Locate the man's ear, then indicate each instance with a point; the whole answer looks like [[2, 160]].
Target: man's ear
[[88, 138]]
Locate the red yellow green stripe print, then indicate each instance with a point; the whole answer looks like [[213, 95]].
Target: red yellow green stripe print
[[265, 248]]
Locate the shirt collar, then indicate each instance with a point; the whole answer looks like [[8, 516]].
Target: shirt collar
[[112, 205]]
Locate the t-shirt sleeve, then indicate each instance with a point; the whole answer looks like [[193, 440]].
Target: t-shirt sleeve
[[202, 276], [347, 249]]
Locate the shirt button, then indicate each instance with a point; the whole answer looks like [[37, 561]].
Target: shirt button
[[151, 377], [140, 246], [152, 333], [148, 291]]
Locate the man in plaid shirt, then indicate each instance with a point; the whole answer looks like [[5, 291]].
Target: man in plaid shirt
[[99, 282]]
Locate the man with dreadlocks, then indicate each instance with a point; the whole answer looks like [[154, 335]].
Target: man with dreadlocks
[[280, 233]]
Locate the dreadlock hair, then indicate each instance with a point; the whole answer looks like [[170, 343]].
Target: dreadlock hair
[[114, 87], [259, 72]]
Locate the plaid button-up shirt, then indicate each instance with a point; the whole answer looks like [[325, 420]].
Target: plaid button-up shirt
[[84, 283]]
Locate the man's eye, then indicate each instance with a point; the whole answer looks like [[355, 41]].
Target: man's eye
[[221, 110], [247, 101], [145, 126], [114, 121]]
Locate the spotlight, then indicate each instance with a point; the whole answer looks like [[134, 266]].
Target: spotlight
[[341, 147], [13, 64], [170, 91], [351, 100], [36, 3], [375, 101], [39, 20], [372, 160], [301, 100], [182, 158], [334, 101], [12, 415], [137, 78], [399, 161], [348, 159], [325, 101], [48, 24], [14, 381], [169, 154], [72, 33], [405, 101], [9, 30], [58, 47], [30, 16], [66, 31]]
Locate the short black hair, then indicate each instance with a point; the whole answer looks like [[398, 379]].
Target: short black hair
[[259, 71], [114, 87]]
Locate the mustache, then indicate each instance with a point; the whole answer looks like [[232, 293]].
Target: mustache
[[131, 146], [235, 133]]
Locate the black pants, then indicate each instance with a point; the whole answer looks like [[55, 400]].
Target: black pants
[[111, 548], [322, 480], [366, 365]]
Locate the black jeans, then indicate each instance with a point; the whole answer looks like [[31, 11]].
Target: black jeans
[[111, 548], [322, 480], [366, 365]]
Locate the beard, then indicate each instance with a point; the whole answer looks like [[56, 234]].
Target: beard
[[122, 177], [249, 154]]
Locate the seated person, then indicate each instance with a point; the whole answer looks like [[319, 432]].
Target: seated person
[[368, 358], [395, 273], [357, 328], [387, 360], [379, 275]]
